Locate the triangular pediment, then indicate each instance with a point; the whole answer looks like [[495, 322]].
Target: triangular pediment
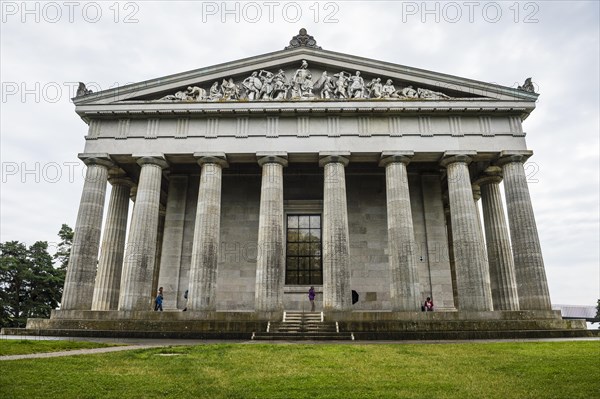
[[305, 74]]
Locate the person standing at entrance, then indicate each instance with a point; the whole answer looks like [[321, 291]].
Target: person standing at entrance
[[159, 300], [311, 298]]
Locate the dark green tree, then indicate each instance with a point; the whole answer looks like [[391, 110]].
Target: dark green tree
[[597, 312], [63, 250], [46, 282], [30, 285], [14, 272]]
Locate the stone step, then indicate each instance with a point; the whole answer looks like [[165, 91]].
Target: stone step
[[302, 336]]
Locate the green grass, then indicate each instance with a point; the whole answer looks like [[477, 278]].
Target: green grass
[[484, 370], [24, 347]]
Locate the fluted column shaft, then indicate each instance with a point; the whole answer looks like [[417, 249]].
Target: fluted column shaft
[[473, 286], [159, 244], [81, 271], [500, 258], [270, 262], [140, 254], [205, 249], [532, 285], [405, 290], [336, 247], [108, 277], [476, 189]]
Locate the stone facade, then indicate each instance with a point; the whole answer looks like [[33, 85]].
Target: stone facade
[[218, 169]]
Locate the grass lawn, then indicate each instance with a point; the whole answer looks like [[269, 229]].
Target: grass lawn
[[24, 347], [483, 370]]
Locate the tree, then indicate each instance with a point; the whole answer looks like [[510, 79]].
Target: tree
[[14, 270], [63, 251], [597, 312], [30, 285]]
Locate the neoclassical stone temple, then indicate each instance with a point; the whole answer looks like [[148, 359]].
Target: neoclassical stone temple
[[253, 180]]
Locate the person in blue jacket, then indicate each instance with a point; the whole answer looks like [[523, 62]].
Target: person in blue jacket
[[159, 300]]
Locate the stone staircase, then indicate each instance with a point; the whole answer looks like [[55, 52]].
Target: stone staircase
[[298, 326]]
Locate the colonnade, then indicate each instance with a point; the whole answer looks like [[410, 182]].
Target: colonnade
[[490, 273]]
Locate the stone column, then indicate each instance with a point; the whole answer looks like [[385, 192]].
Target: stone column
[[476, 197], [205, 249], [337, 294], [162, 212], [405, 290], [140, 254], [108, 277], [532, 286], [476, 189], [270, 262], [81, 271], [500, 258], [451, 249], [170, 263], [469, 257]]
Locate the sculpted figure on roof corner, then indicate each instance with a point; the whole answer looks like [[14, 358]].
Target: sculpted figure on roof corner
[[527, 86]]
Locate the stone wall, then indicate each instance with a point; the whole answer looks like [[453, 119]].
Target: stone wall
[[303, 192]]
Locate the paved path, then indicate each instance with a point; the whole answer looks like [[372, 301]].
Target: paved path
[[141, 343], [77, 352]]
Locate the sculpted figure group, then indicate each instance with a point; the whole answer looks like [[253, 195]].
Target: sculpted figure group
[[268, 86]]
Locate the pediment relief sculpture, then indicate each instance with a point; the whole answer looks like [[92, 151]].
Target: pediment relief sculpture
[[270, 86]]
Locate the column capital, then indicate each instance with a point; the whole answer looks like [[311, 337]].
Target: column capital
[[457, 156], [121, 181], [218, 158], [133, 192], [388, 157], [152, 159], [513, 156], [272, 157], [326, 157], [102, 159], [491, 175]]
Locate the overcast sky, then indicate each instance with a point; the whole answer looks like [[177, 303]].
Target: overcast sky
[[48, 46]]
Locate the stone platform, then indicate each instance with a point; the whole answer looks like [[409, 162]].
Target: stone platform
[[361, 325]]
